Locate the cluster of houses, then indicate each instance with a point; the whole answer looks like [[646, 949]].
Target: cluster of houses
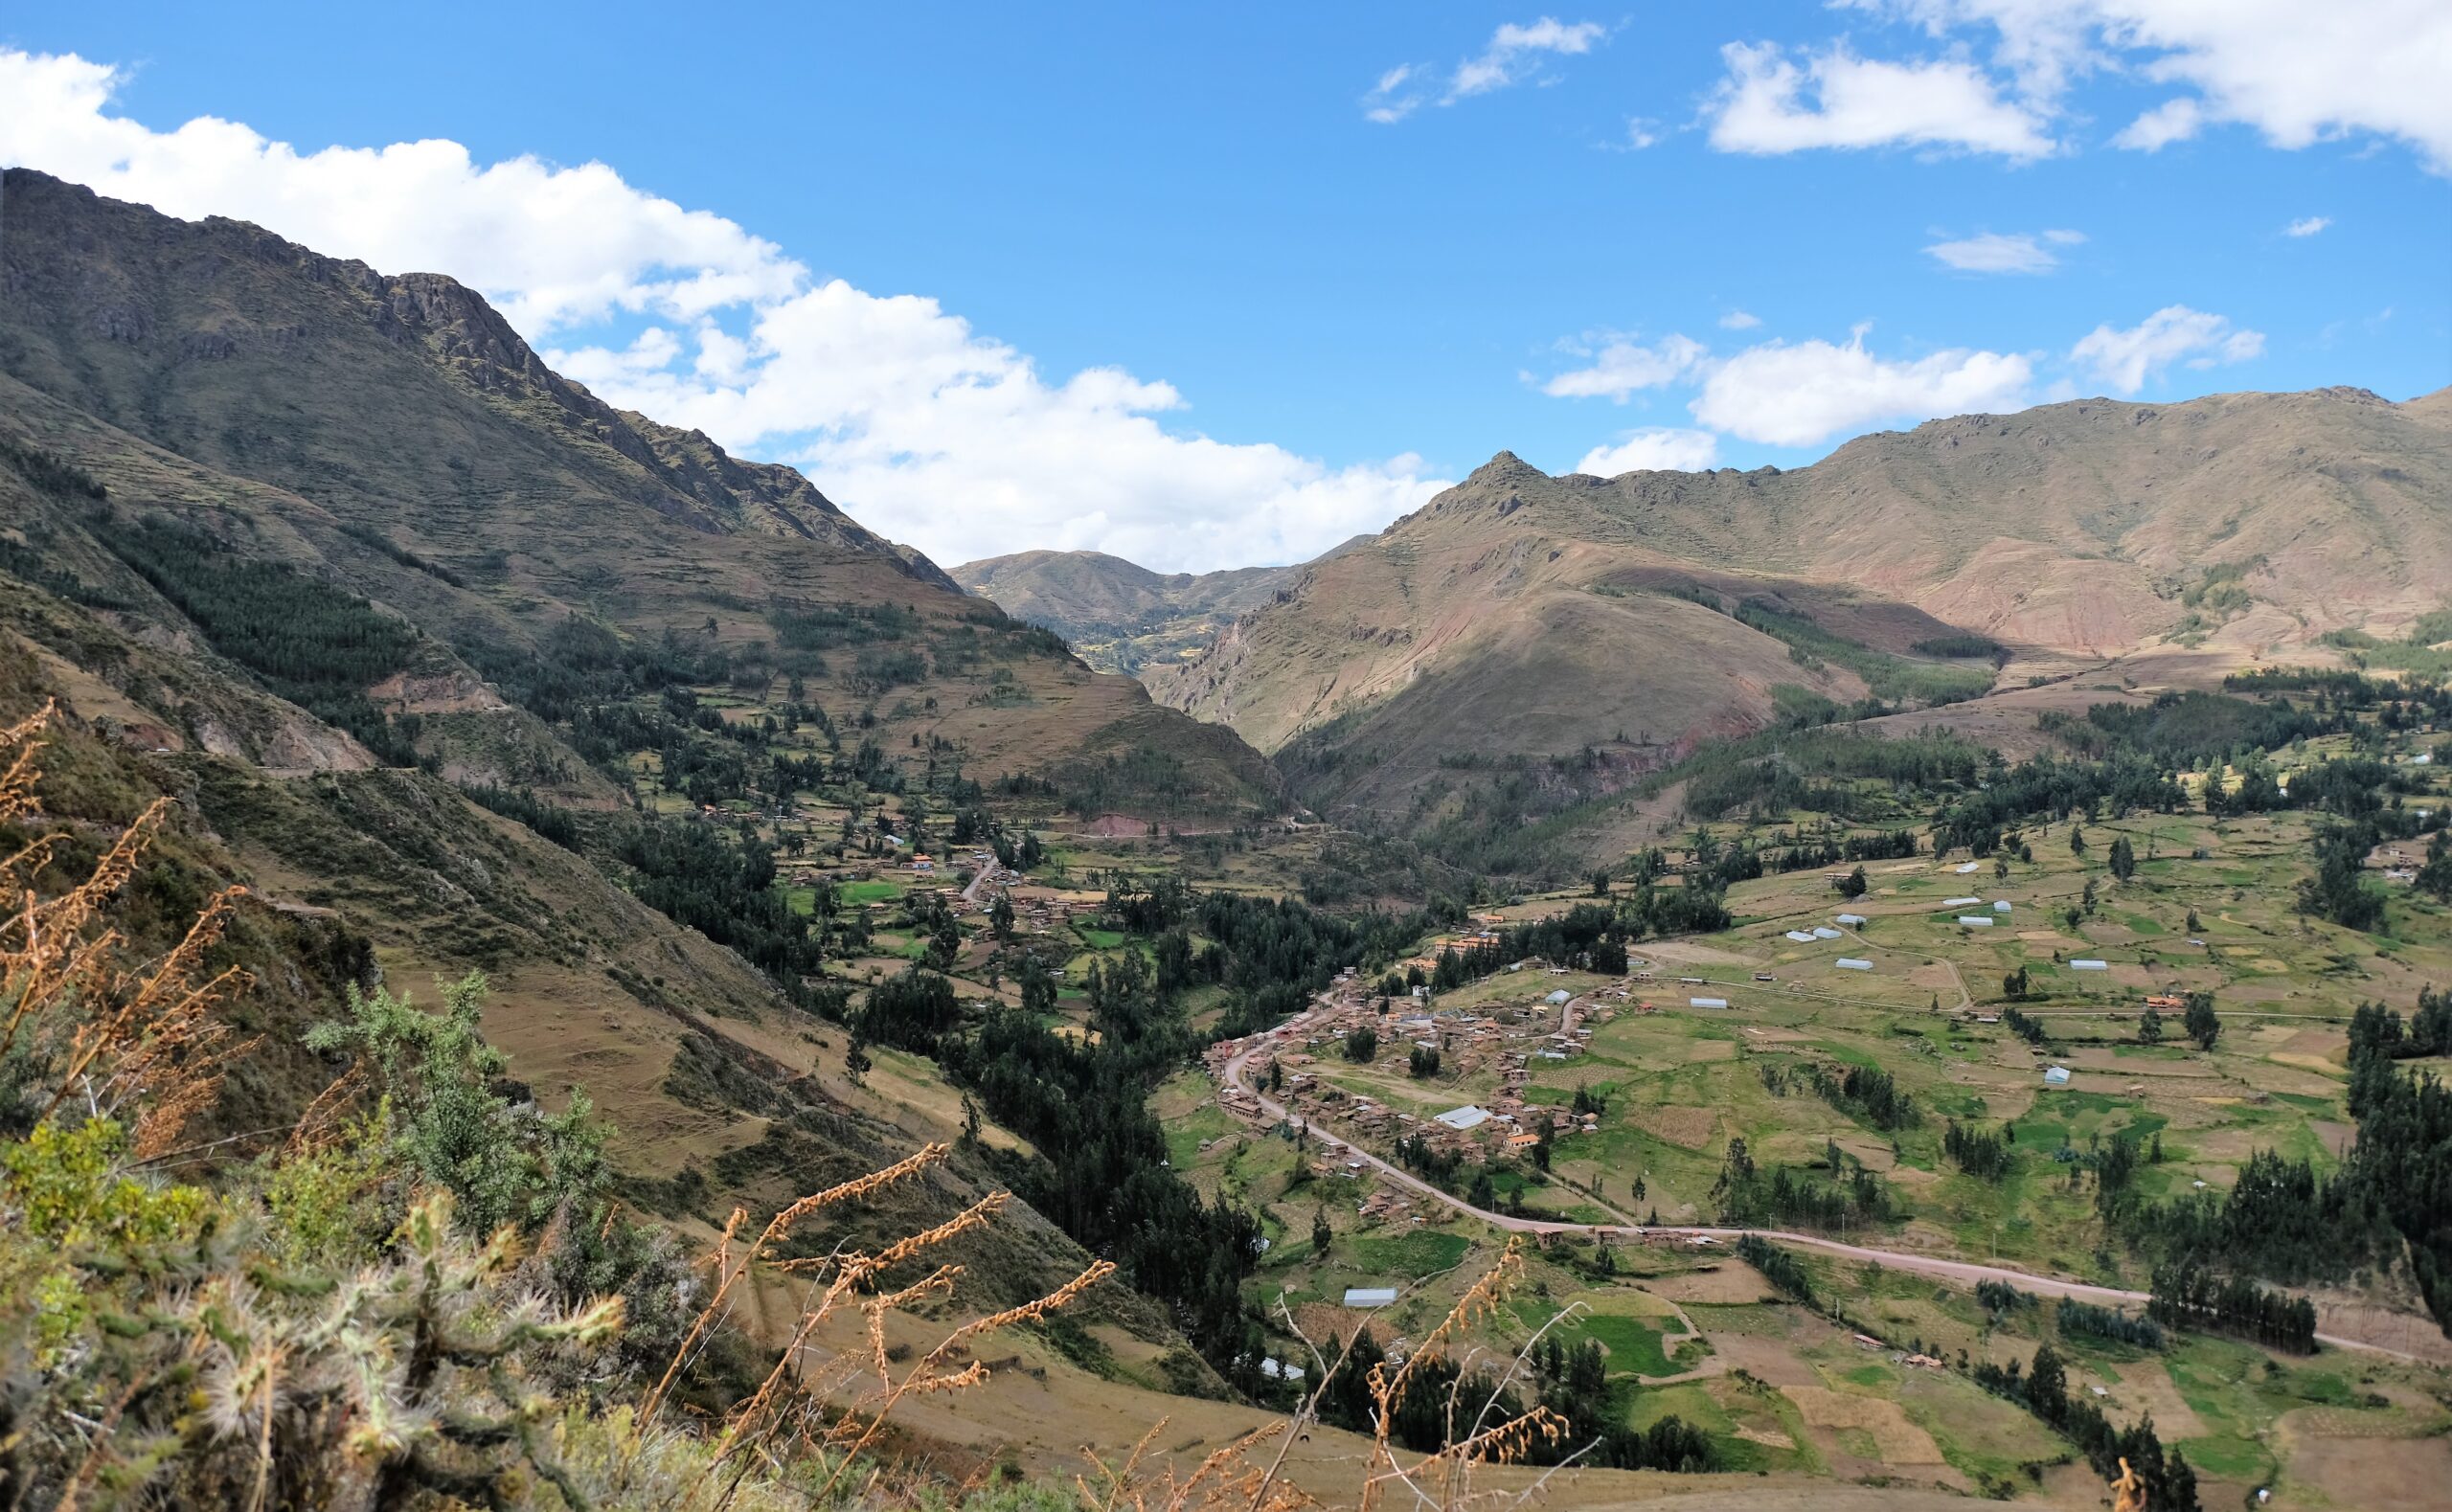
[[1467, 1042]]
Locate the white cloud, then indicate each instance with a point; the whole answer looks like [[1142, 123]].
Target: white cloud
[[1801, 394], [1389, 102], [557, 244], [1659, 449], [1513, 49], [1740, 320], [1623, 366], [1770, 104], [1514, 54], [921, 427], [1995, 253], [1639, 135], [2124, 359], [2296, 72], [2306, 225], [2175, 120]]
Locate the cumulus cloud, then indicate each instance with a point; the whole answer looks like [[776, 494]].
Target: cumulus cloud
[[1658, 449], [1514, 54], [1622, 366], [1804, 393], [2306, 225], [556, 245], [2295, 73], [916, 423], [1770, 103], [2124, 359], [1740, 320], [1994, 253]]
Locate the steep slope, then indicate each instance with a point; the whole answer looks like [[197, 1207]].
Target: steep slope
[[1495, 621], [402, 441], [1119, 616]]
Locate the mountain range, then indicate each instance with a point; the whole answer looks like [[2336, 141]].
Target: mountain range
[[1119, 617], [1520, 615]]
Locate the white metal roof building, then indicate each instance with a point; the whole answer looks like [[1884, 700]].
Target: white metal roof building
[[1464, 1117], [1370, 1296], [1853, 963]]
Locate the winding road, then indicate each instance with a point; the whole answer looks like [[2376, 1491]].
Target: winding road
[[1964, 1271]]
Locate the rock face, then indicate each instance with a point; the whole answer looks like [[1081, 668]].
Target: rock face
[[1519, 613]]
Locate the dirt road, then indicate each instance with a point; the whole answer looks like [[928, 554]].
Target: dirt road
[[1964, 1271]]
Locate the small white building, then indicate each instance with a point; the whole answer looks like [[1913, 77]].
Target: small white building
[[1976, 920], [1959, 902], [1800, 936], [1853, 963], [2000, 905], [2090, 965], [1825, 932], [1852, 920], [1370, 1296], [2055, 1076], [1706, 1002], [1462, 1119]]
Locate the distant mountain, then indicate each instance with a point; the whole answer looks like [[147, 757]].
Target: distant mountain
[[1121, 617], [1520, 615]]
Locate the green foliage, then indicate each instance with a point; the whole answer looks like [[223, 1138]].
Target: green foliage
[[315, 644], [1892, 678], [69, 1188], [504, 1163], [1778, 1267]]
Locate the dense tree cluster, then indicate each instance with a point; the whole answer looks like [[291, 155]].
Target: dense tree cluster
[[698, 874], [1852, 1196], [318, 646], [1778, 1267], [2170, 1480], [2075, 1317], [2189, 1295], [1978, 1152]]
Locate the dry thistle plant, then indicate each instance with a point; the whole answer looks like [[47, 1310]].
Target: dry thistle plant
[[832, 1406], [115, 1041], [1234, 1478]]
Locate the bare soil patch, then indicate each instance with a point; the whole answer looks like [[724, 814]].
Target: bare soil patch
[[1687, 1128], [1900, 1441]]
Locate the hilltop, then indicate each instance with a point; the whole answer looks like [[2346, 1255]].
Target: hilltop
[[1524, 616]]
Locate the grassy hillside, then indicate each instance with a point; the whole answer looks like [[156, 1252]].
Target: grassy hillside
[[1529, 618]]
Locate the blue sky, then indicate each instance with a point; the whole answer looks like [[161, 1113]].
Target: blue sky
[[1210, 286]]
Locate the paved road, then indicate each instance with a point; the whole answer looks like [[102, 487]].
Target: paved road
[[1962, 1271]]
